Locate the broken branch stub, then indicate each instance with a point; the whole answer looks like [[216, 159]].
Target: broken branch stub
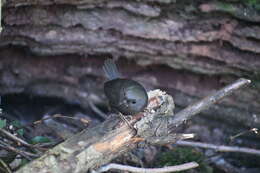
[[97, 146], [154, 122]]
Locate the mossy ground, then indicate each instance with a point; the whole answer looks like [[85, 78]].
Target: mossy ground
[[180, 155]]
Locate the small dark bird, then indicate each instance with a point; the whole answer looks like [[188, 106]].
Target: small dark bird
[[125, 95]]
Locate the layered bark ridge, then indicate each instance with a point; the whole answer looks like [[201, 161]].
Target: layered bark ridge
[[57, 48]]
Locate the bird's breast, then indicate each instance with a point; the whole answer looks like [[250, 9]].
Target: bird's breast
[[125, 95]]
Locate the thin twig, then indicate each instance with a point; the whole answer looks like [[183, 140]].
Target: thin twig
[[20, 141], [61, 116], [85, 121], [46, 145], [255, 130], [220, 148], [12, 149], [15, 138], [97, 110], [176, 168], [5, 166], [205, 103], [170, 138]]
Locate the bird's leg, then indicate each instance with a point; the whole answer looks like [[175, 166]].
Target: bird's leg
[[126, 121]]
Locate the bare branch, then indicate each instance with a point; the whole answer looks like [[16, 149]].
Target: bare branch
[[220, 148], [171, 138], [20, 141], [205, 103], [85, 121], [97, 146], [15, 138], [176, 168], [96, 109], [25, 154], [255, 130], [6, 168]]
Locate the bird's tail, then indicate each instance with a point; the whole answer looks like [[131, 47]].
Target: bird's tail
[[110, 69]]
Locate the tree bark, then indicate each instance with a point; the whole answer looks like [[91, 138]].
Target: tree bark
[[99, 145], [57, 48], [94, 147]]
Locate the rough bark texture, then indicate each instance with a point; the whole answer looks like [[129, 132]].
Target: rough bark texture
[[56, 48], [99, 145], [94, 147]]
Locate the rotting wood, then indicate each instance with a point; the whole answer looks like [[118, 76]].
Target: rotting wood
[[96, 146]]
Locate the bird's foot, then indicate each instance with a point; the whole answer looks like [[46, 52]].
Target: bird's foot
[[124, 118]]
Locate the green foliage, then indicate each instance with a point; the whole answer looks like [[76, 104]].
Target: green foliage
[[252, 3], [247, 10], [255, 79], [2, 123], [23, 162], [40, 139], [182, 155], [16, 124], [225, 7], [256, 84], [20, 132]]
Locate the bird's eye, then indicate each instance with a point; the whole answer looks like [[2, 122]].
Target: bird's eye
[[131, 101]]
